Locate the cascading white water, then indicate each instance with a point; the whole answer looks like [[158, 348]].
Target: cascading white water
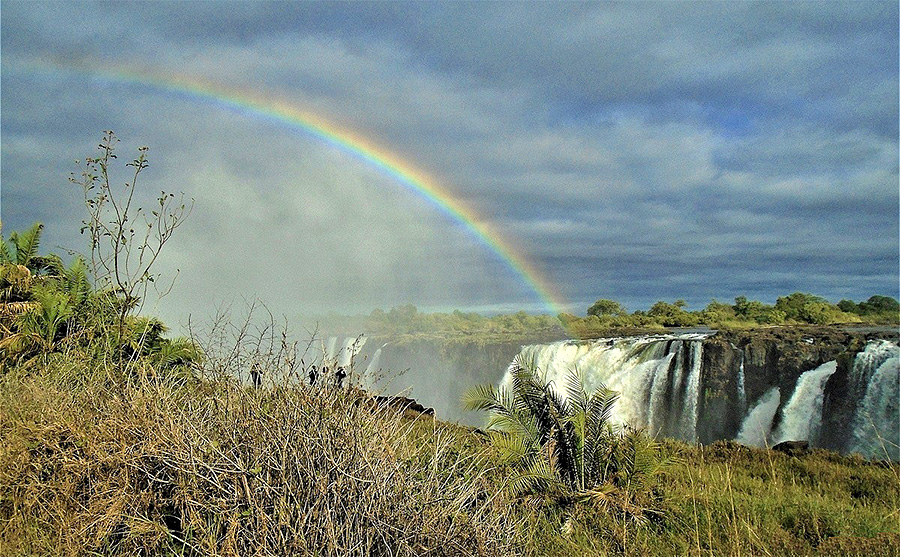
[[657, 378], [370, 376], [758, 424], [372, 368], [332, 358], [659, 385], [876, 427], [802, 415], [351, 347], [870, 360], [688, 425]]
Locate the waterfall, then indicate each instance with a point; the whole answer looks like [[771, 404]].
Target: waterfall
[[662, 384], [876, 427], [657, 378], [372, 368], [351, 347], [758, 423], [688, 429], [802, 416], [370, 376]]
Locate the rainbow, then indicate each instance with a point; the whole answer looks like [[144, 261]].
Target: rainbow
[[255, 104]]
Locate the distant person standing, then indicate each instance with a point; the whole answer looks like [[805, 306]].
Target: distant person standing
[[313, 373], [255, 375]]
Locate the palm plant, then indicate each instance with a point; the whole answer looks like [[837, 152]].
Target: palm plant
[[21, 269], [22, 249], [16, 282], [563, 443], [42, 326]]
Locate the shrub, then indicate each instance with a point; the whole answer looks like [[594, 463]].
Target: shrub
[[219, 469], [564, 446]]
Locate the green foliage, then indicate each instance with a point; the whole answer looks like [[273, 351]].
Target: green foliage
[[880, 304], [796, 308], [408, 320], [606, 307], [717, 312], [798, 305], [50, 308], [563, 445], [673, 315], [607, 315]]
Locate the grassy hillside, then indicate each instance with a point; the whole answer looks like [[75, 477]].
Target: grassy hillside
[[165, 464]]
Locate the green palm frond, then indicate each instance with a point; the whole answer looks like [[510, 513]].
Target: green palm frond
[[515, 423], [77, 283], [513, 449], [575, 392], [482, 397], [179, 351], [563, 441], [48, 264], [5, 256], [27, 243], [538, 478]]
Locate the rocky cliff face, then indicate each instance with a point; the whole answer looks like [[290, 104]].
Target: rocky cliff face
[[774, 357]]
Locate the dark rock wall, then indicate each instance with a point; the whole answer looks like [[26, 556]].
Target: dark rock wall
[[721, 410], [775, 358]]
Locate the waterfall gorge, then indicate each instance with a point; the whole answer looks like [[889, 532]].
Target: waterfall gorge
[[665, 387], [759, 389]]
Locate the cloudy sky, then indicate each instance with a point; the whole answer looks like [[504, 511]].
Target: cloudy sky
[[635, 151]]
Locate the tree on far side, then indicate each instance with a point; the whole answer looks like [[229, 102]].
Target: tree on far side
[[606, 307], [880, 304]]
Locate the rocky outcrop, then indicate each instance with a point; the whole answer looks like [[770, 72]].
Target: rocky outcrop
[[408, 406], [775, 357], [792, 447]]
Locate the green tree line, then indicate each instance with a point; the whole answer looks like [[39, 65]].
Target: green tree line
[[798, 308]]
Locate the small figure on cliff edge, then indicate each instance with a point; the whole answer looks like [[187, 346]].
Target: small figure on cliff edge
[[255, 375]]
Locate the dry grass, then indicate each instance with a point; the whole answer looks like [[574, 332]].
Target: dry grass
[[173, 466], [218, 469]]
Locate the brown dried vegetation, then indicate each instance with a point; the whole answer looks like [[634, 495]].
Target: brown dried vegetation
[[219, 469]]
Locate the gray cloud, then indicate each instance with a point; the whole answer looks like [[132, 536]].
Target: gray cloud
[[637, 151]]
